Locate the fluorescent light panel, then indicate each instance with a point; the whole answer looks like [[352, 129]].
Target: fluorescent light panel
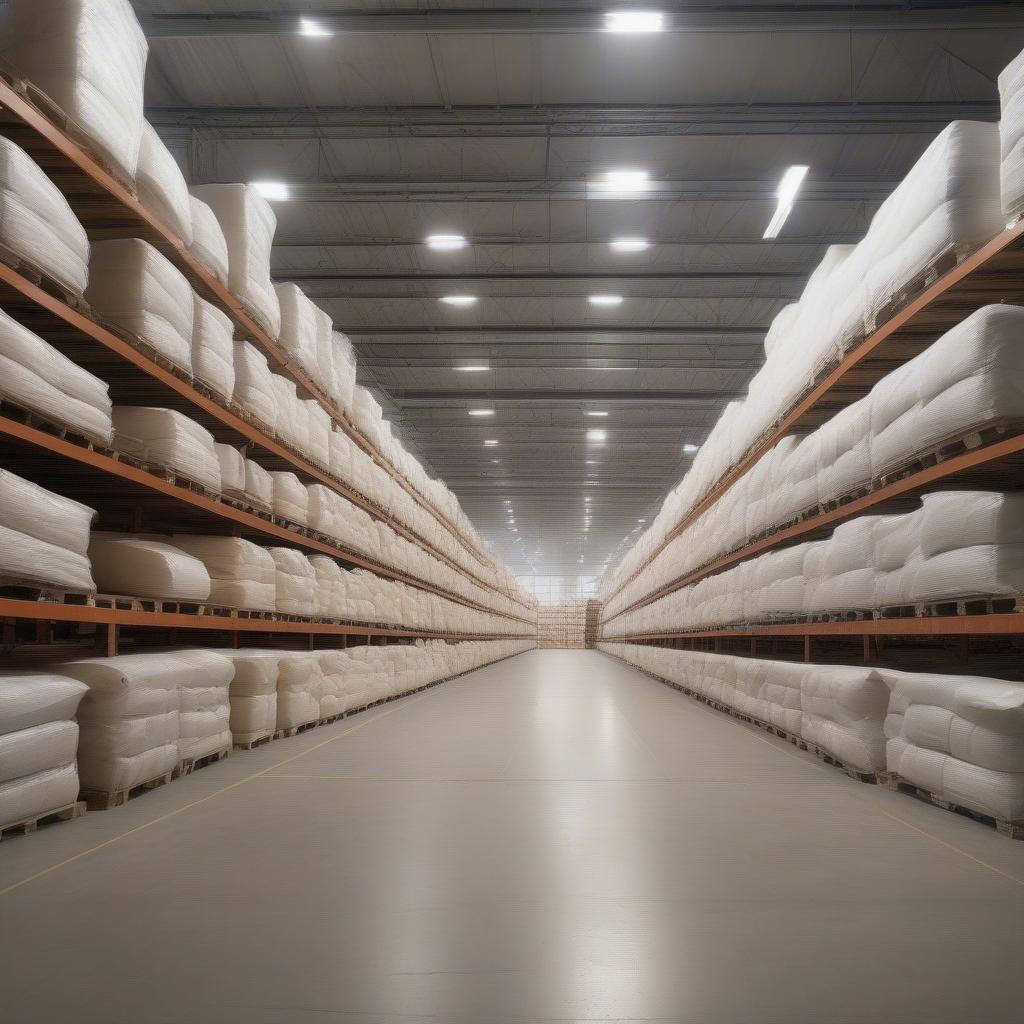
[[309, 27], [594, 412], [597, 435], [605, 300], [473, 368], [786, 196], [458, 300], [446, 243], [481, 412], [272, 190], [629, 244], [624, 181]]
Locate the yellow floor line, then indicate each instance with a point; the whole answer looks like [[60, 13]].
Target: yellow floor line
[[196, 803], [874, 804]]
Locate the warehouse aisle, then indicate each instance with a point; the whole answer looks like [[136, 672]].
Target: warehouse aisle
[[555, 837]]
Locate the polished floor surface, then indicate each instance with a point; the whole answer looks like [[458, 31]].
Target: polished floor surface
[[553, 838]]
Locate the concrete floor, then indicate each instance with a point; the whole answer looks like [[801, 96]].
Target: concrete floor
[[554, 838]]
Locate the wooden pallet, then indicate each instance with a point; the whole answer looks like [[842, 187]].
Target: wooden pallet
[[259, 741], [284, 734], [28, 825], [1010, 829], [102, 801], [921, 282], [189, 765]]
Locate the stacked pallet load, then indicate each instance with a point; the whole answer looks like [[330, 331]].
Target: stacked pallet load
[[863, 500], [562, 625], [240, 486]]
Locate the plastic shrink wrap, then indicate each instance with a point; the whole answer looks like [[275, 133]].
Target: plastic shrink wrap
[[142, 567], [299, 328], [128, 719], [330, 588], [318, 450], [140, 292], [38, 743], [168, 439], [232, 470], [205, 709], [44, 538], [1011, 137], [960, 738], [242, 575], [291, 500], [253, 694], [344, 363], [213, 349], [843, 711], [89, 57], [295, 581], [947, 204], [161, 185], [259, 486], [299, 685], [36, 222], [254, 385], [292, 423], [248, 223], [208, 245], [37, 377]]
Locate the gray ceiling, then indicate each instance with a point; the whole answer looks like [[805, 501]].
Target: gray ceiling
[[489, 119]]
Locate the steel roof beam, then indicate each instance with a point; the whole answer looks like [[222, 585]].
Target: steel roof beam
[[891, 16]]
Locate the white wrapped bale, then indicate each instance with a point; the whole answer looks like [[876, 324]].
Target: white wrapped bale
[[960, 738], [38, 743], [330, 591], [291, 499], [980, 571], [843, 711], [960, 519], [161, 185], [344, 363], [248, 223], [89, 57], [300, 325], [232, 470], [143, 567], [44, 538], [295, 582], [36, 222], [970, 378], [128, 719], [140, 291], [208, 245], [947, 203], [242, 575], [1011, 138], [213, 348], [254, 386], [300, 682], [205, 706], [169, 439], [39, 378], [259, 486], [253, 694]]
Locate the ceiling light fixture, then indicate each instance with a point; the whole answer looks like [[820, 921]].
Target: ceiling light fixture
[[459, 300], [274, 191], [597, 436], [309, 27], [481, 412], [605, 300], [629, 244], [473, 368], [490, 444], [623, 181], [446, 243], [595, 412], [786, 196], [689, 449]]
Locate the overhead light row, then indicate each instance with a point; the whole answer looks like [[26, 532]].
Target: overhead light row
[[462, 301]]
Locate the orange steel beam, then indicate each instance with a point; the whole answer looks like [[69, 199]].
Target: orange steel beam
[[53, 612], [903, 318], [125, 471], [907, 486], [999, 623], [207, 283]]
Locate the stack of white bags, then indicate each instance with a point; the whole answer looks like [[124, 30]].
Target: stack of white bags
[[38, 744], [960, 738], [44, 538]]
